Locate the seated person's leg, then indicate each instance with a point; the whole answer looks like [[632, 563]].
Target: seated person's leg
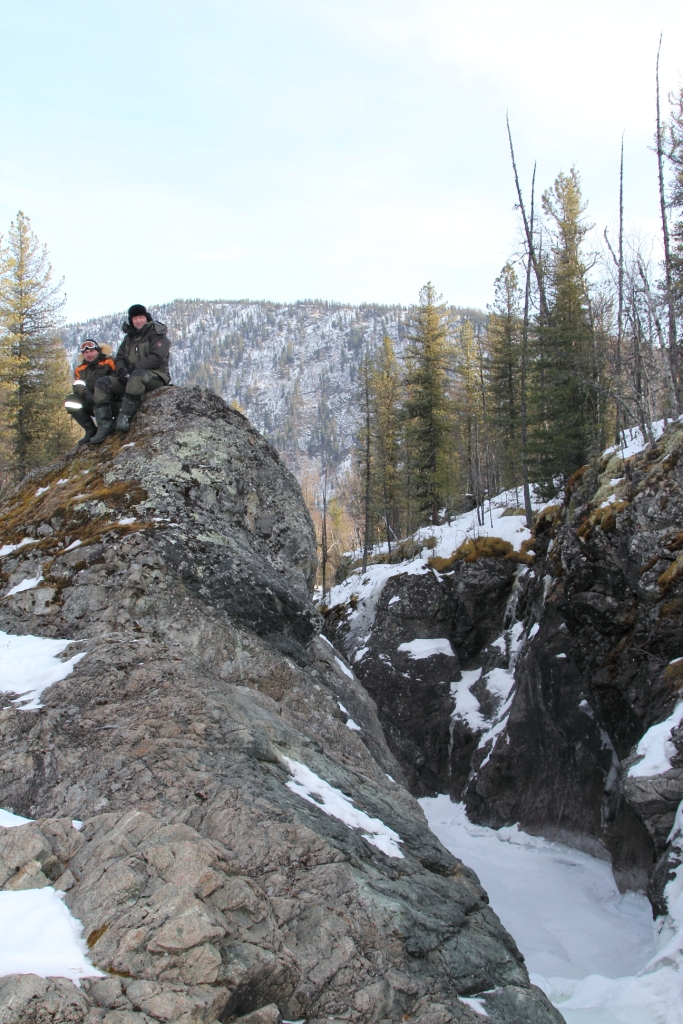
[[105, 389], [79, 407], [139, 382]]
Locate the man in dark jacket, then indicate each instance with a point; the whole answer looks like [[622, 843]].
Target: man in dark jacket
[[95, 364], [141, 366]]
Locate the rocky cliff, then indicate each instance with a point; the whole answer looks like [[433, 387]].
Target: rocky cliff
[[556, 701], [248, 846]]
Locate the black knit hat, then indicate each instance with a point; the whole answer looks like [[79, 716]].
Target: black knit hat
[[137, 309]]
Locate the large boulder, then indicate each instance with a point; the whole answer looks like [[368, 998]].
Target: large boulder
[[248, 846]]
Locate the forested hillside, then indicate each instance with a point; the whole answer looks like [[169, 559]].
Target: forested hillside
[[292, 368]]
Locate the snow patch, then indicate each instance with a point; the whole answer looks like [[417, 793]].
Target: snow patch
[[29, 664], [308, 785], [75, 544], [42, 490], [25, 585], [38, 935], [467, 706], [9, 820], [634, 441], [419, 649], [347, 671], [534, 630], [126, 522], [656, 747], [7, 549], [474, 1004]]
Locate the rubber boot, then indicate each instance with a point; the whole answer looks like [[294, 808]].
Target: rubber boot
[[90, 431], [129, 406], [105, 423], [84, 420]]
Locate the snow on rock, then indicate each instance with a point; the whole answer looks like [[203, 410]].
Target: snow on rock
[[7, 549], [75, 544], [308, 785], [466, 704], [25, 585], [9, 820], [350, 724], [29, 664], [418, 649], [656, 747], [38, 935], [347, 671]]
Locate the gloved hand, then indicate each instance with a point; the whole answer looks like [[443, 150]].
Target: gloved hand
[[123, 374]]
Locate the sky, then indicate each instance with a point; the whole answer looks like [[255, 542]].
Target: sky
[[348, 150]]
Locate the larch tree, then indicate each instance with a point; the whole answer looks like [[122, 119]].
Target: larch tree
[[34, 371], [428, 407], [385, 401]]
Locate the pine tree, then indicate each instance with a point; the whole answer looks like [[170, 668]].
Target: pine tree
[[428, 409], [505, 373], [34, 372], [566, 406]]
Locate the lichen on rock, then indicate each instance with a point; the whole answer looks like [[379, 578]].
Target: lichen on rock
[[180, 562]]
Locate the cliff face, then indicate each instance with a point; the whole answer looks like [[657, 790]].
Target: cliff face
[[564, 674], [602, 668], [247, 839]]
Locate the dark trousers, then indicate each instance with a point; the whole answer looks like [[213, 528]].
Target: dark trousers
[[139, 382]]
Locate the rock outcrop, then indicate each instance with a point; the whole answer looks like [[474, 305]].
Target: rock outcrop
[[559, 669], [602, 666], [248, 849], [468, 607]]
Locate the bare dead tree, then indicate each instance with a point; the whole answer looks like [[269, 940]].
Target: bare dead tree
[[525, 354], [531, 246], [668, 267]]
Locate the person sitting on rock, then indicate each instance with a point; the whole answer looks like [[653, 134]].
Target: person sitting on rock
[[141, 366], [96, 363]]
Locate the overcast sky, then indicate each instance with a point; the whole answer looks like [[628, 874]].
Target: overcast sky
[[337, 149]]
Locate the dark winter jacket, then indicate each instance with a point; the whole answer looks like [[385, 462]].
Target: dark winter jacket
[[90, 373], [147, 349]]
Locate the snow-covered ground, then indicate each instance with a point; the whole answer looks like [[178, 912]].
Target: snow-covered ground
[[634, 440], [592, 950], [367, 586]]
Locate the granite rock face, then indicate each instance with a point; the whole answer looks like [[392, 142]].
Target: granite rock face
[[179, 559]]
